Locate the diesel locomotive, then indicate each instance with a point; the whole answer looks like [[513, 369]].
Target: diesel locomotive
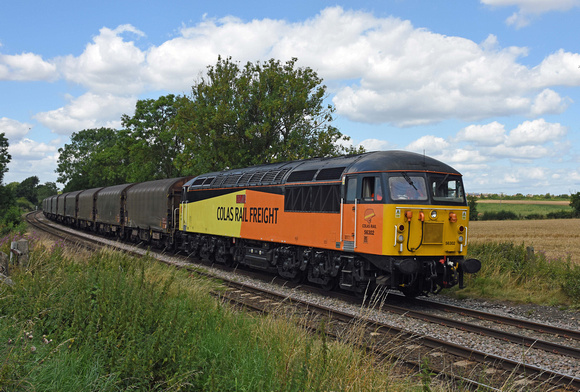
[[390, 219]]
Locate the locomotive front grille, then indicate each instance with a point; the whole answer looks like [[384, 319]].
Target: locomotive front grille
[[433, 233]]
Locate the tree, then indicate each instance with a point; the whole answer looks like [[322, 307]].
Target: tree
[[45, 190], [95, 157], [155, 141], [4, 156], [575, 203], [27, 189], [473, 214], [257, 114]]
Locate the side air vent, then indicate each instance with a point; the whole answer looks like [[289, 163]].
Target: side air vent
[[301, 176], [244, 179], [232, 180], [333, 173]]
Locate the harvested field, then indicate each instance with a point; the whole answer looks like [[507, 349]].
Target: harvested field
[[557, 238]]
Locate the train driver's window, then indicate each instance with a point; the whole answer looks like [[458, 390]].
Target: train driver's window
[[407, 188], [371, 189]]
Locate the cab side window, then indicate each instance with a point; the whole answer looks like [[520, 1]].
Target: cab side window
[[372, 189], [351, 187]]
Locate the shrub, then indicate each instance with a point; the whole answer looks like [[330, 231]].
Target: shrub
[[561, 215], [499, 215]]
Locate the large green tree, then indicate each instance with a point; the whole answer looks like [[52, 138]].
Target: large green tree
[[27, 189], [94, 157], [45, 190], [260, 113], [153, 141]]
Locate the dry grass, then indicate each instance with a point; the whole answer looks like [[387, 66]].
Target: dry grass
[[557, 238]]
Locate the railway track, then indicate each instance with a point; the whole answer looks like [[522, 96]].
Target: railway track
[[458, 362]]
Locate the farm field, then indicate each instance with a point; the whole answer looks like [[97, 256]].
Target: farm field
[[523, 208], [557, 238]]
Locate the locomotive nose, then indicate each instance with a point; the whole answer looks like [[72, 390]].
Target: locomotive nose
[[470, 266]]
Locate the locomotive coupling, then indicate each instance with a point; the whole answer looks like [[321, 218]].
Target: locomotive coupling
[[470, 266]]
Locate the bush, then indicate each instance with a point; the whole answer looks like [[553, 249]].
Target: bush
[[534, 216], [500, 215], [561, 215], [11, 221]]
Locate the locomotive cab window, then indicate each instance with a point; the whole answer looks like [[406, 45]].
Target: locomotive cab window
[[372, 189], [407, 187], [351, 185], [447, 188]]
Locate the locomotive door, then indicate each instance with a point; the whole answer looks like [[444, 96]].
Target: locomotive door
[[362, 214], [349, 213]]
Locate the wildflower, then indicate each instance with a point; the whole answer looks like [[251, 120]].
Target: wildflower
[[32, 349]]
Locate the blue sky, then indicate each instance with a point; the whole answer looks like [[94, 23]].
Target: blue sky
[[491, 87]]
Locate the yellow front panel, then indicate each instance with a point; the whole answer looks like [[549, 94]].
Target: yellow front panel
[[424, 236]]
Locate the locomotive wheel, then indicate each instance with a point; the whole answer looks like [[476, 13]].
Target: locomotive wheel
[[329, 285]]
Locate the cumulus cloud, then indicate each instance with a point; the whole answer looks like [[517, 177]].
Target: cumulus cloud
[[177, 62], [88, 111], [375, 145], [31, 150], [30, 158], [490, 134], [535, 132], [26, 67], [528, 9], [12, 129], [381, 69], [494, 158], [109, 64], [432, 145]]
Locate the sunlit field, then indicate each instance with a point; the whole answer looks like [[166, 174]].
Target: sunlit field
[[556, 238]]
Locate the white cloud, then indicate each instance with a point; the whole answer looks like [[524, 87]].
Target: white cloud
[[88, 111], [41, 162], [535, 6], [375, 145], [109, 64], [432, 145], [13, 130], [490, 134], [397, 73], [535, 132], [26, 67], [531, 8], [31, 150]]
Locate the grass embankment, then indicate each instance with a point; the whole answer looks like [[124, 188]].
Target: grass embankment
[[523, 209], [110, 322], [516, 273]]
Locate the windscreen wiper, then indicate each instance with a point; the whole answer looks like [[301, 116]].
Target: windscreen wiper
[[406, 177]]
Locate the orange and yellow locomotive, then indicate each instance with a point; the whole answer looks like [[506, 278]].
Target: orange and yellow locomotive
[[390, 218]]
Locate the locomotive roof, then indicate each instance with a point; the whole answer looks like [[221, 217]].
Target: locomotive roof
[[320, 169]]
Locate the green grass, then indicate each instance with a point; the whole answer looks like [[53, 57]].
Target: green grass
[[110, 322], [523, 210], [511, 272]]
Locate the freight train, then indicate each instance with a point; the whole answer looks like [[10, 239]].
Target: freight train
[[390, 219]]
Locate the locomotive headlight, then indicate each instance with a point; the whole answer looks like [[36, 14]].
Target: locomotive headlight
[[434, 214], [400, 238], [460, 238]]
